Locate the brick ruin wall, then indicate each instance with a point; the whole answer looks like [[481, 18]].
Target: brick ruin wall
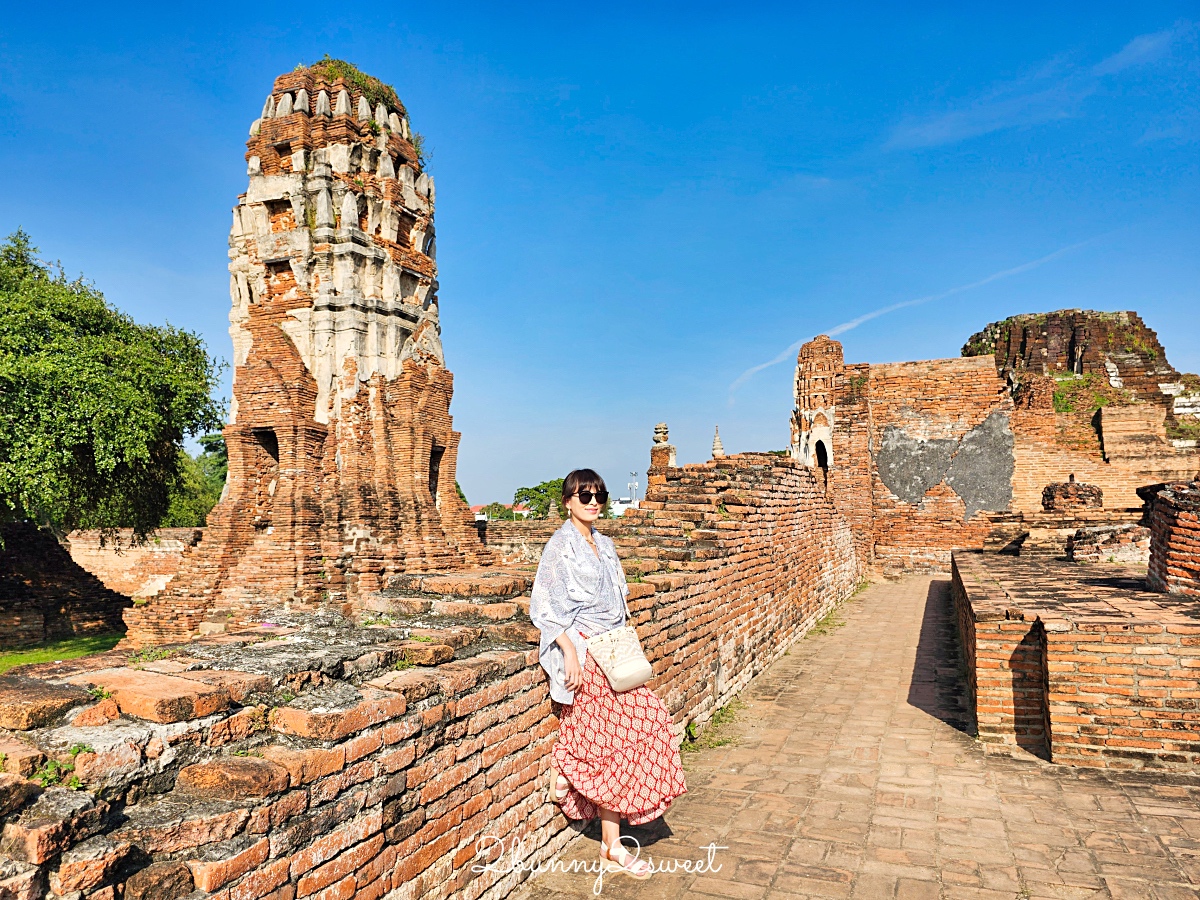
[[520, 542], [127, 566], [45, 595], [1110, 681], [926, 457], [1175, 540], [310, 757], [1079, 342]]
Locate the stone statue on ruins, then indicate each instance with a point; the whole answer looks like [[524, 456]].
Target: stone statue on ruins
[[341, 449]]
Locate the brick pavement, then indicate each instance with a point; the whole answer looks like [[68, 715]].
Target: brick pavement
[[851, 778]]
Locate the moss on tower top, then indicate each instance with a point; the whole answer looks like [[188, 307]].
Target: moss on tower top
[[371, 87]]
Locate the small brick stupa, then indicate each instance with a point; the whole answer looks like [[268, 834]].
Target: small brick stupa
[[1066, 496], [341, 449]]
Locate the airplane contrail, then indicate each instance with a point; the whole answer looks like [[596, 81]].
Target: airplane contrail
[[791, 351]]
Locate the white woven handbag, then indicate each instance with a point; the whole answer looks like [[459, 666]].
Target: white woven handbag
[[619, 655]]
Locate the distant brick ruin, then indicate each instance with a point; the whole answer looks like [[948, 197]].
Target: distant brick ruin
[[342, 454], [926, 457]]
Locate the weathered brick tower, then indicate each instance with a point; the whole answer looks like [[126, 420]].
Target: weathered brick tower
[[341, 449], [820, 371]]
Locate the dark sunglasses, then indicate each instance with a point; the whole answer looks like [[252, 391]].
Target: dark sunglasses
[[585, 497]]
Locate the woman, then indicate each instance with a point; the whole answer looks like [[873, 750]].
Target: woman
[[615, 755]]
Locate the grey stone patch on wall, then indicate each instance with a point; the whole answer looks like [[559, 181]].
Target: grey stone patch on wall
[[981, 472], [909, 467], [978, 468]]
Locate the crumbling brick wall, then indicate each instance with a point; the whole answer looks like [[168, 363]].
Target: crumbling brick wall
[[1072, 662], [1113, 345], [46, 595], [1174, 521], [927, 457], [520, 542], [130, 567], [311, 757], [920, 454]]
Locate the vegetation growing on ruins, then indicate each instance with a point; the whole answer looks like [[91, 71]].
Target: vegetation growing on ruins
[[1086, 393], [93, 406], [717, 732], [1130, 340], [1184, 430], [371, 87]]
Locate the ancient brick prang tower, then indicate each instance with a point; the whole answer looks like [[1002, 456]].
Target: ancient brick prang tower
[[820, 373], [341, 450]]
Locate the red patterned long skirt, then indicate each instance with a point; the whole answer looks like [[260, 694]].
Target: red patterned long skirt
[[616, 751]]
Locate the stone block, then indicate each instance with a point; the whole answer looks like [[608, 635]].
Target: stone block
[[239, 684], [110, 758], [21, 881], [15, 792], [58, 819], [222, 864], [155, 696], [239, 726], [413, 685], [168, 880], [19, 758], [27, 703], [88, 864], [327, 724], [233, 778], [305, 766], [176, 823], [101, 714]]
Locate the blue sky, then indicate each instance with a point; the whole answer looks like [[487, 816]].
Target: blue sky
[[639, 205]]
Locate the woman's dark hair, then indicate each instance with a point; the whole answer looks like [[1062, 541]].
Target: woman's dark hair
[[581, 479]]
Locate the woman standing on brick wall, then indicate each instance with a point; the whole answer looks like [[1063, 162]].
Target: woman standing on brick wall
[[615, 756]]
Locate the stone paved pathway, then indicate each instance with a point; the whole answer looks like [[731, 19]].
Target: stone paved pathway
[[851, 777]]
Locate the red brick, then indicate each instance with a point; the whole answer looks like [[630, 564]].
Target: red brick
[[209, 876]]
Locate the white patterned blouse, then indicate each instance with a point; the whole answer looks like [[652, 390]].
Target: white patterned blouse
[[575, 592]]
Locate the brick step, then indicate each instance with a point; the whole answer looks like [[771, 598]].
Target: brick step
[[492, 583], [474, 608]]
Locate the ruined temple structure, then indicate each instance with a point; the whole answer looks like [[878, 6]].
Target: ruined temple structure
[[1116, 348], [341, 449], [335, 754], [926, 457]]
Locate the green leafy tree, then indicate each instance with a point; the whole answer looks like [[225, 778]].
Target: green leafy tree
[[93, 406], [542, 498], [201, 483], [498, 511]]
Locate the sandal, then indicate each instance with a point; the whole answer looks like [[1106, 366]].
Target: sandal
[[627, 864], [554, 793]]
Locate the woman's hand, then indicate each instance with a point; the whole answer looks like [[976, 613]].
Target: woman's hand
[[572, 670]]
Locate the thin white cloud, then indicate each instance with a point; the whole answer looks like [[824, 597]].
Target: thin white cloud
[[790, 352], [1054, 91], [1142, 49]]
